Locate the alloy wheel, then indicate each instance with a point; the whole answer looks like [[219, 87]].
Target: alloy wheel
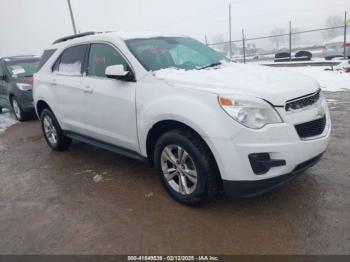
[[50, 130], [16, 109], [179, 169]]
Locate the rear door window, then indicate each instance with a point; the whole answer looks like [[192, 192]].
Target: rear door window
[[72, 60]]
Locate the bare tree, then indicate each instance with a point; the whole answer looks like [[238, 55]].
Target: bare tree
[[278, 40], [334, 21]]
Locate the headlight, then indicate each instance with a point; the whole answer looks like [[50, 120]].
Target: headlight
[[24, 87], [251, 112]]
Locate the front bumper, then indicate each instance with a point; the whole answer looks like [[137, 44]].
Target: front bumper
[[288, 154], [245, 189], [281, 142]]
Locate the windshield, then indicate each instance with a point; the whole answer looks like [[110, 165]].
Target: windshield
[[173, 52], [22, 68]]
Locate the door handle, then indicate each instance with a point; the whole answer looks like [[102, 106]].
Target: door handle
[[53, 83]]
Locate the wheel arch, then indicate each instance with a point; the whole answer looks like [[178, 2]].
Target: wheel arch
[[10, 96], [40, 106], [164, 126]]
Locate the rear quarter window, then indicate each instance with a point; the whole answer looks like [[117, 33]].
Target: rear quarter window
[[45, 56]]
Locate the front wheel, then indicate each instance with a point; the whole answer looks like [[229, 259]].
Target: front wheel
[[53, 133], [18, 111], [187, 169]]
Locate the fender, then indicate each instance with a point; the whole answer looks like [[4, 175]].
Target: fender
[[183, 108], [42, 93]]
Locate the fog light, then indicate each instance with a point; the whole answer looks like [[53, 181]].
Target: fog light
[[261, 163]]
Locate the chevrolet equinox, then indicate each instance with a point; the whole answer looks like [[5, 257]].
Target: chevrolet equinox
[[205, 123]]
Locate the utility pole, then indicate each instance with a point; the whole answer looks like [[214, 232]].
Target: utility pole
[[290, 41], [345, 33], [206, 39], [230, 31], [72, 17]]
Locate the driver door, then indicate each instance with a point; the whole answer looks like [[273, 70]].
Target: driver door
[[110, 114]]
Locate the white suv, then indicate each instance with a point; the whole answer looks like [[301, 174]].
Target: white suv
[[205, 123]]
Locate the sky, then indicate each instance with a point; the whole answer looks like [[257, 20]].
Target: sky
[[29, 26]]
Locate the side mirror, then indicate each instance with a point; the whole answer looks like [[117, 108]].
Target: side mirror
[[118, 72]]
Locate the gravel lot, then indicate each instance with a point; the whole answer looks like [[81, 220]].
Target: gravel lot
[[53, 203]]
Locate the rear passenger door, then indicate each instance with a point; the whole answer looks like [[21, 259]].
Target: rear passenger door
[[67, 84], [110, 104]]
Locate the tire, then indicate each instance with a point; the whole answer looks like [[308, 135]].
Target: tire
[[194, 190], [0, 110], [52, 131], [17, 110]]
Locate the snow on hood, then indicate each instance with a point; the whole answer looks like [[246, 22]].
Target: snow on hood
[[144, 35], [275, 85]]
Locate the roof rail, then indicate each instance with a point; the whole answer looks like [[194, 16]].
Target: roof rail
[[66, 38], [19, 56]]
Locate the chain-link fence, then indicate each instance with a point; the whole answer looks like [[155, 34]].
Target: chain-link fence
[[290, 45]]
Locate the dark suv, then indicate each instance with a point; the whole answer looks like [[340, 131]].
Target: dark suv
[[16, 81]]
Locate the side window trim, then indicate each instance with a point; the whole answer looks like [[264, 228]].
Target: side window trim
[[58, 60], [117, 50], [85, 65]]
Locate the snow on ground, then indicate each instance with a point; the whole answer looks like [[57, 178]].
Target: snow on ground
[[331, 81], [6, 120]]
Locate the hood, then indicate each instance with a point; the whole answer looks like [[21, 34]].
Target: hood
[[272, 84]]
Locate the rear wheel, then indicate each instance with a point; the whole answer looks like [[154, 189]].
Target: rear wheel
[[0, 110], [186, 167], [53, 133]]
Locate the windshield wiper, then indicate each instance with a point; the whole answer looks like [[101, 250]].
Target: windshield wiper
[[211, 65]]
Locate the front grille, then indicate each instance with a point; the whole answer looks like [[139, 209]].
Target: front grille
[[302, 102], [313, 128]]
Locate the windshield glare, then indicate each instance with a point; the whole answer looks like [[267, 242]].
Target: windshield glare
[[22, 69], [173, 52]]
